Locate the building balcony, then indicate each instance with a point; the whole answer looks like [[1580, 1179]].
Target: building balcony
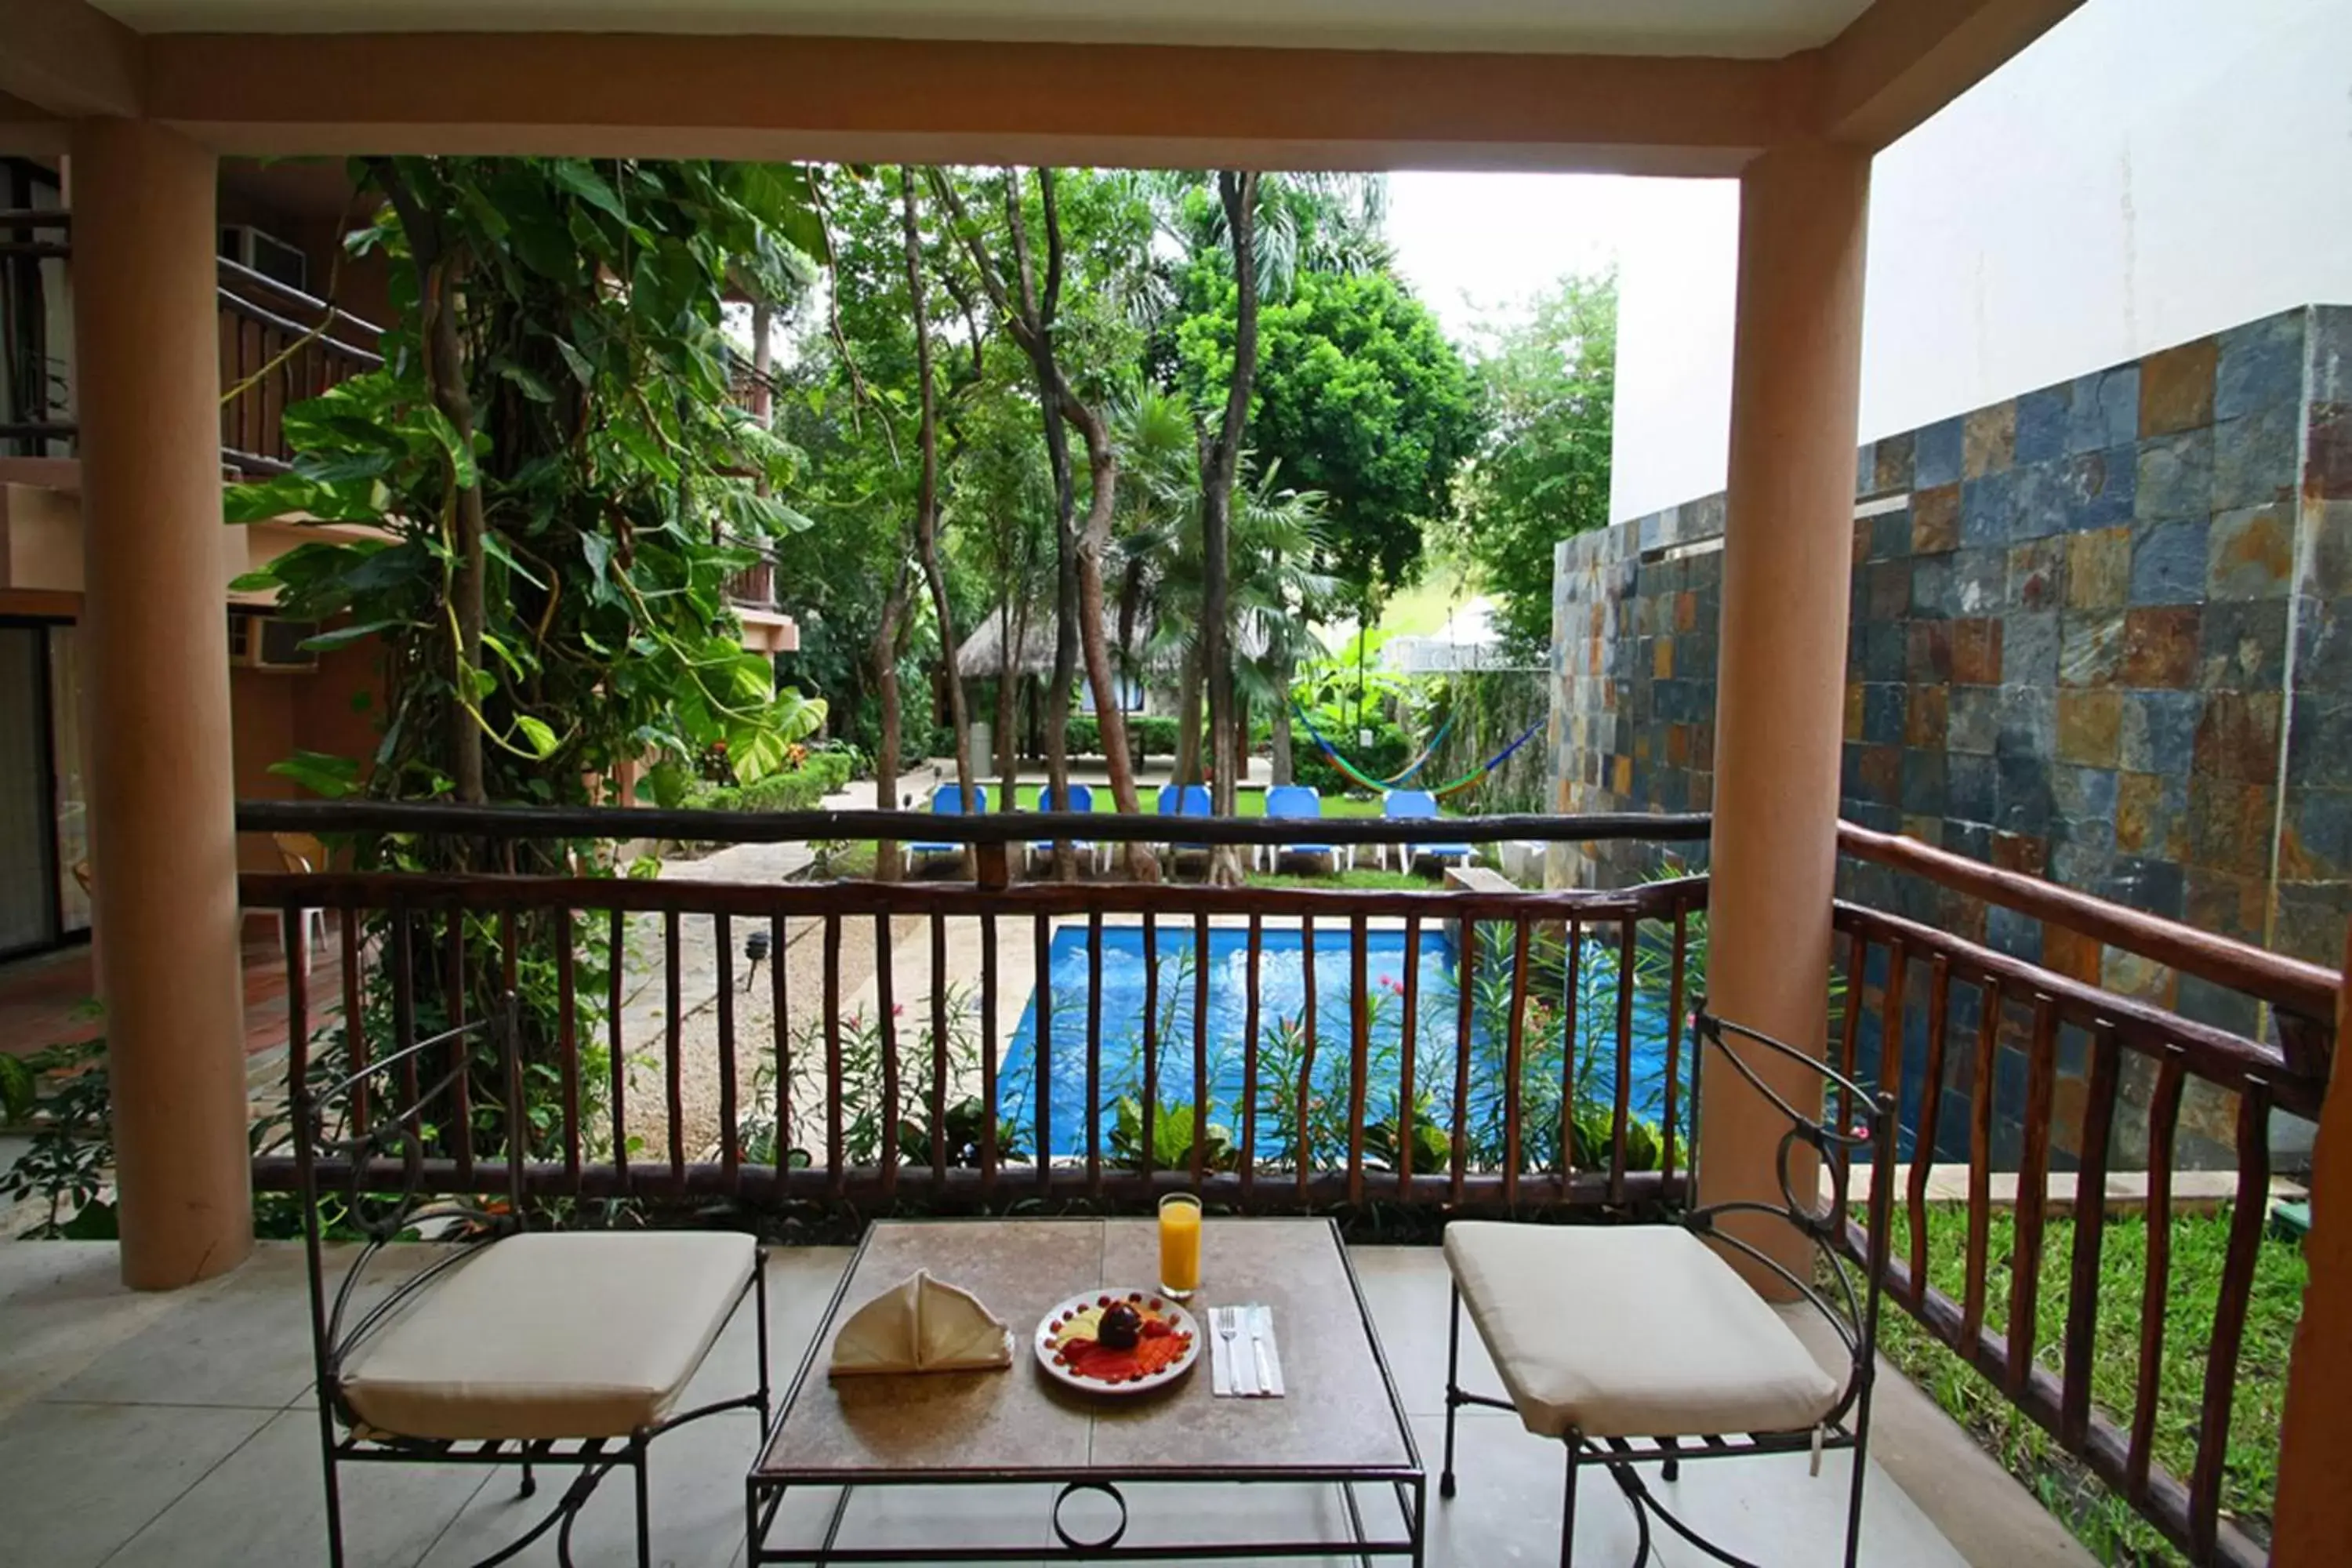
[[279, 345], [1000, 1026]]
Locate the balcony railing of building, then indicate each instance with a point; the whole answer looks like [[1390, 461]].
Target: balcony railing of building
[[1467, 1051], [753, 587], [278, 346], [2129, 1065]]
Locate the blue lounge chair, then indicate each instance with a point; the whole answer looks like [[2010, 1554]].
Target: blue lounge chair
[[1082, 798], [1185, 800], [946, 800], [1302, 803], [1418, 805]]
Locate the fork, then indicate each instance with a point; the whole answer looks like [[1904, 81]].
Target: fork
[[1222, 1320]]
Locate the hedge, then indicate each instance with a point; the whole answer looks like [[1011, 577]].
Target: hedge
[[803, 788], [1147, 735]]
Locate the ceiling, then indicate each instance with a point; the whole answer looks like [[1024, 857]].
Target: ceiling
[[1734, 29]]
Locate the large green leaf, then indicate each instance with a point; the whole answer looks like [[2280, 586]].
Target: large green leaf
[[581, 178], [536, 732], [344, 636], [321, 773]]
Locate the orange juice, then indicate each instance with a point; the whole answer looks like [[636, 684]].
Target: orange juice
[[1180, 1245]]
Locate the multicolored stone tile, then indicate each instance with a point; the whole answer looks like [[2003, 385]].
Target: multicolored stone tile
[[1989, 441], [2101, 630], [2176, 388], [2160, 646]]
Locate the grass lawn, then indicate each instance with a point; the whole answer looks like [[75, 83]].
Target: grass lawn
[[2100, 1517], [1365, 876], [1248, 801]]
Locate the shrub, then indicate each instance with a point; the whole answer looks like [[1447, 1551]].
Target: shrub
[[1391, 749], [1147, 735], [801, 788]]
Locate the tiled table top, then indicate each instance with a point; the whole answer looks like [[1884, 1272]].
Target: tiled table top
[[1338, 1415]]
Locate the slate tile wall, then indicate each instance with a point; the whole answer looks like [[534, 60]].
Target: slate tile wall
[[2101, 632]]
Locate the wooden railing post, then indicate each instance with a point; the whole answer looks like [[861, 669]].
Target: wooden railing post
[[2313, 1519]]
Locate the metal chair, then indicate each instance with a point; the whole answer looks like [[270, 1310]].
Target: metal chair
[[1639, 1344], [516, 1347]]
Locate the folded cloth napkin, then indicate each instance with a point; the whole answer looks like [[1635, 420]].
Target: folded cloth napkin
[[921, 1324]]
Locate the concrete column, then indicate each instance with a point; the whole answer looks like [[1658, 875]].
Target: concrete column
[[1787, 561], [163, 841]]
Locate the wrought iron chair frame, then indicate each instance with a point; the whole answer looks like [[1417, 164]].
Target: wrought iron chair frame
[[1847, 1423], [361, 1144]]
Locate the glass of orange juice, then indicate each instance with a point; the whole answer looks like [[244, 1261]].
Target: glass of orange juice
[[1180, 1245]]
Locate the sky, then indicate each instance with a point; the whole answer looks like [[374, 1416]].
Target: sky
[[1477, 248]]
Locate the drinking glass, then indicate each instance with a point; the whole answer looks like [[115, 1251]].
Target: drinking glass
[[1180, 1245]]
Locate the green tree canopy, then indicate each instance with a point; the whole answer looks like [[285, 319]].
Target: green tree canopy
[[594, 467], [1542, 474], [1359, 397]]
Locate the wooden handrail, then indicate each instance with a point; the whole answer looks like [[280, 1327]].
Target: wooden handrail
[[361, 890], [2213, 1054], [2307, 990], [612, 822]]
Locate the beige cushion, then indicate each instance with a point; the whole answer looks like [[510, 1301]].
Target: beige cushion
[[1631, 1331], [575, 1334]]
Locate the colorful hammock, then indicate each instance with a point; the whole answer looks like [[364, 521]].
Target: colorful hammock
[[1382, 786]]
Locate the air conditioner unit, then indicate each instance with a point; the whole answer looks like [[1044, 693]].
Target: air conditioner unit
[[271, 643], [265, 253]]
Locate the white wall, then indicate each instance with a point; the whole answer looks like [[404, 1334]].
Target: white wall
[[2151, 171]]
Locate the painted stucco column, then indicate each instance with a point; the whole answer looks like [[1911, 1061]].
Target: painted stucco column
[[1787, 561], [164, 846], [2314, 1516]]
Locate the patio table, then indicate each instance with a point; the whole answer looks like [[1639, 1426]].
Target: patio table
[[1340, 1429]]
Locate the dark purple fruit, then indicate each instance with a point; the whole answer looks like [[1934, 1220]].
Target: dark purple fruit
[[1122, 1328]]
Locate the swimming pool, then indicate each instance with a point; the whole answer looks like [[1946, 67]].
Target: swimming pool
[[1127, 981]]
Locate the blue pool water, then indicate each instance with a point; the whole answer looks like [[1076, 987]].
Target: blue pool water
[[1127, 981]]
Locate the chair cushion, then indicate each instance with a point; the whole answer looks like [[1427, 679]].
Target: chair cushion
[[568, 1334], [1634, 1331]]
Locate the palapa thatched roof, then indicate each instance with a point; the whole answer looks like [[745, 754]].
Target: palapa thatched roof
[[980, 656]]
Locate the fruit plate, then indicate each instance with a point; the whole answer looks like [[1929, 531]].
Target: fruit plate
[[1075, 1319]]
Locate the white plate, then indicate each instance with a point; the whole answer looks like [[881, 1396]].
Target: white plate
[[1151, 1301]]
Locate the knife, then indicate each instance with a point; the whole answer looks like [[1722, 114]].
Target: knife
[[1261, 1326]]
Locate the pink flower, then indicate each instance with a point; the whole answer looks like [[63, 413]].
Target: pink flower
[[1389, 982], [897, 1008]]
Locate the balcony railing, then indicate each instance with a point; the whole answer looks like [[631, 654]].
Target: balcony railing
[[754, 587], [278, 346], [1970, 1007], [1462, 1052]]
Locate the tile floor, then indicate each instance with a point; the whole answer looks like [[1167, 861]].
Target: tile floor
[[44, 998], [181, 1430]]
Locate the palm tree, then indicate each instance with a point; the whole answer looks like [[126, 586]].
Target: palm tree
[[1276, 591]]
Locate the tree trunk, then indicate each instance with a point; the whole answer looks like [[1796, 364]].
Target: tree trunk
[[885, 654], [1281, 765], [763, 361], [1188, 718], [1102, 466], [1238, 191], [436, 286], [1240, 739], [466, 582], [1008, 740], [926, 498], [1030, 317]]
